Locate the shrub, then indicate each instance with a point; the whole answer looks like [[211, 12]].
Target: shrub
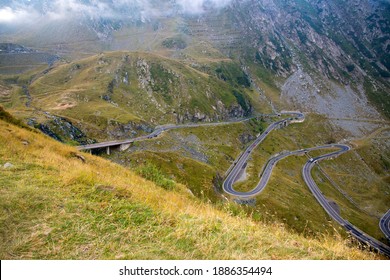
[[152, 173]]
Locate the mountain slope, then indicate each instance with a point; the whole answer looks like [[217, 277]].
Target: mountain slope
[[287, 35], [125, 69], [122, 94], [59, 204], [275, 39]]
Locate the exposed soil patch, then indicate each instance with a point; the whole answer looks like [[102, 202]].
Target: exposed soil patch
[[4, 92], [242, 176], [64, 106]]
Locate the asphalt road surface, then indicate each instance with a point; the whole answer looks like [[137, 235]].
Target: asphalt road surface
[[384, 224]]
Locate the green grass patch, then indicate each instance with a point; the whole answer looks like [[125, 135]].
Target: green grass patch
[[378, 97], [150, 172]]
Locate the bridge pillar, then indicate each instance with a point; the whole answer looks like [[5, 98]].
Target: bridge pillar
[[108, 150]]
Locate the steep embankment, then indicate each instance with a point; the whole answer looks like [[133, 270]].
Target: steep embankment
[[57, 203]]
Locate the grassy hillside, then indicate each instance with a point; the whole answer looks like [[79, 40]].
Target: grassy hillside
[[59, 204], [195, 157], [124, 94], [192, 156]]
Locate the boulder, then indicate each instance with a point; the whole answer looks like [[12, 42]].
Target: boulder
[[8, 165]]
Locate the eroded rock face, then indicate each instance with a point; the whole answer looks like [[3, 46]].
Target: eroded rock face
[[166, 92], [130, 130], [246, 138], [333, 58], [144, 76], [335, 38], [220, 113], [344, 106], [61, 129]]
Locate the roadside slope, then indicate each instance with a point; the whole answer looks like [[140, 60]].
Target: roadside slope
[[57, 203]]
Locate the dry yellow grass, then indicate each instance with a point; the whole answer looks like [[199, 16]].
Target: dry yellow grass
[[55, 206]]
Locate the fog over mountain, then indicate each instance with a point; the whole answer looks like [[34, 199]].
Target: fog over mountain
[[16, 12]]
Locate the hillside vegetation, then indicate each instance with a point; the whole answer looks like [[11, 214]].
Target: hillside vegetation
[[56, 203], [124, 94], [198, 157]]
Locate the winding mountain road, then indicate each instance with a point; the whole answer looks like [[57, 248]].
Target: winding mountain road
[[158, 130], [239, 164], [354, 231], [267, 171], [384, 224], [242, 161]]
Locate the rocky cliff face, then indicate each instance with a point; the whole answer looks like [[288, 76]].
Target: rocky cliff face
[[344, 41], [327, 57]]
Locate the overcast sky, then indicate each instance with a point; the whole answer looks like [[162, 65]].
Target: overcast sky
[[23, 11]]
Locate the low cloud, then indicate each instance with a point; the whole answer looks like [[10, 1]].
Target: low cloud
[[198, 6], [12, 11], [9, 15]]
